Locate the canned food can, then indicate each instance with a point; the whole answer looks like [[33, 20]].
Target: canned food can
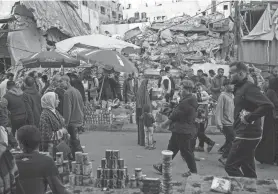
[[115, 154], [114, 164], [144, 176], [87, 169], [73, 166], [138, 173], [60, 168], [99, 173], [85, 158], [106, 173], [126, 170], [121, 163], [108, 154], [59, 157], [72, 179], [114, 174], [99, 183], [133, 183], [65, 178], [105, 183], [78, 169], [121, 184], [78, 157], [66, 166], [78, 180], [83, 147], [103, 163], [87, 180], [121, 174]]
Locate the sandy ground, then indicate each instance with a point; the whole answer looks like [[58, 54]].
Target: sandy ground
[[137, 157]]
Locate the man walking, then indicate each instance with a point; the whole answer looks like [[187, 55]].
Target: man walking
[[224, 118], [73, 112], [183, 128], [250, 106]]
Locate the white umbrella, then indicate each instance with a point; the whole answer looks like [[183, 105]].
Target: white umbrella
[[96, 40]]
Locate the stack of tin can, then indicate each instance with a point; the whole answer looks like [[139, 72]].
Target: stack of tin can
[[63, 167], [112, 172], [136, 181], [167, 172], [82, 170], [151, 186]]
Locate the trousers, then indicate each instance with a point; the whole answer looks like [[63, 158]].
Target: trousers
[[241, 158], [183, 143], [230, 137]]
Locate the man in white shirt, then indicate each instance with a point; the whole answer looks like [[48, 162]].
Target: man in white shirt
[[3, 85]]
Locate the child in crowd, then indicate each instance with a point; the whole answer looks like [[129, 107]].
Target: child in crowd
[[149, 125], [203, 101]]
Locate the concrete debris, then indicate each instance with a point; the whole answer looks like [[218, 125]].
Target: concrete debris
[[183, 41]]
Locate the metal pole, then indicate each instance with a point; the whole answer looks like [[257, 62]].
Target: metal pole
[[237, 27]]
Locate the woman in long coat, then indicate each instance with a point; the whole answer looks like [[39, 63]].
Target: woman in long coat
[[52, 126], [267, 150], [142, 98]]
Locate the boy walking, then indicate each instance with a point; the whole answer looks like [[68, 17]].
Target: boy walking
[[224, 118], [148, 121]]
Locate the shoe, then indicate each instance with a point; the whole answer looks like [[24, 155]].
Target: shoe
[[187, 174], [199, 149], [197, 159], [220, 151], [158, 168], [209, 148], [222, 161]]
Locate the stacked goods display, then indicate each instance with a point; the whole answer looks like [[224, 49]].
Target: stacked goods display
[[167, 172], [63, 167], [82, 170], [112, 173]]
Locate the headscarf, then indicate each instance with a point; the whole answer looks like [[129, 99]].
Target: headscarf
[[143, 96], [48, 101]]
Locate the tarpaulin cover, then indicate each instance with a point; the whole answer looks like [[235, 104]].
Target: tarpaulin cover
[[266, 27], [95, 40]]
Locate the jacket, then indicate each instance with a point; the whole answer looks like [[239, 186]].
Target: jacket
[[16, 104], [4, 118], [73, 107], [216, 84], [224, 114], [184, 115], [128, 88], [33, 98], [248, 97]]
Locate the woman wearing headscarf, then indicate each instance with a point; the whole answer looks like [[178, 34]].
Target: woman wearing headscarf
[[142, 98], [267, 150], [52, 126]]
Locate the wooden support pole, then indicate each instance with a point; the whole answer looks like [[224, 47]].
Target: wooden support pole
[[237, 28]]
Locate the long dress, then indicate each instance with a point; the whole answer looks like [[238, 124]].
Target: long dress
[[267, 150]]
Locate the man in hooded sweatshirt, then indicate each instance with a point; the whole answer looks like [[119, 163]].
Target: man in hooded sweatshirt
[[33, 98], [16, 106]]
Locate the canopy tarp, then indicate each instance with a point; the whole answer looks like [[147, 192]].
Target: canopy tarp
[[266, 28]]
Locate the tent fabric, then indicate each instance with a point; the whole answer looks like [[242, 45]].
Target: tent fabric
[[266, 28], [95, 40], [57, 14], [256, 52]]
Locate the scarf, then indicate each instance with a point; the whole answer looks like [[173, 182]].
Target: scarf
[[143, 96], [48, 101]]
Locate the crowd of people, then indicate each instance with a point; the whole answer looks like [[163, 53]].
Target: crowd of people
[[46, 114]]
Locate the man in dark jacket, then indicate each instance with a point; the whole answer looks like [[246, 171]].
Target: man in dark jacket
[[33, 98], [183, 128], [16, 106], [250, 106]]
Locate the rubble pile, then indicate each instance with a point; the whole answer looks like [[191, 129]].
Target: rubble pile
[[184, 40]]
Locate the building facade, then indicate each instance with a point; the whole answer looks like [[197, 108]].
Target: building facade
[[161, 10], [108, 11]]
